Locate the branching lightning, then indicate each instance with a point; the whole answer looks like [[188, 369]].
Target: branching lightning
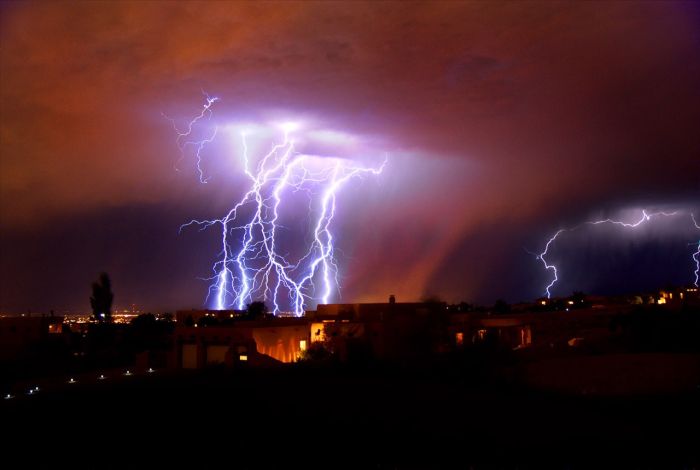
[[645, 217], [183, 135], [696, 255], [251, 265]]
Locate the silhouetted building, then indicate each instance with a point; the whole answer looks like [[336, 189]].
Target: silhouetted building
[[19, 334], [238, 342], [381, 330]]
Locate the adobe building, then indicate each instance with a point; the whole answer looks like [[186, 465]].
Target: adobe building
[[385, 331], [19, 334], [205, 338], [381, 330], [378, 330]]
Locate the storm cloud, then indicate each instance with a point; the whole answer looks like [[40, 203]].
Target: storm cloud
[[503, 122]]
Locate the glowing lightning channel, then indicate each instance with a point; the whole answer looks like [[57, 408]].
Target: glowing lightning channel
[[183, 135], [645, 217], [250, 263], [323, 238], [696, 255]]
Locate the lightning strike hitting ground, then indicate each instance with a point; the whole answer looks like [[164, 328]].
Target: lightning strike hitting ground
[[251, 265], [645, 217], [696, 255]]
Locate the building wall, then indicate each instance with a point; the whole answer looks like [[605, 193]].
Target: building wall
[[281, 343], [19, 334], [243, 341]]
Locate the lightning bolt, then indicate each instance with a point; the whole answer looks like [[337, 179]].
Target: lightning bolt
[[250, 264], [696, 255], [183, 135], [645, 217]]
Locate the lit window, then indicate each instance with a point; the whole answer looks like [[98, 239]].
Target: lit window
[[544, 302], [302, 345], [243, 357], [459, 338], [317, 332]]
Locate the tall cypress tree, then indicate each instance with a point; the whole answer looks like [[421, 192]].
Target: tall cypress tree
[[101, 300]]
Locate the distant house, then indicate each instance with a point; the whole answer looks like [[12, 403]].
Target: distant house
[[511, 331], [381, 330], [388, 330], [222, 339], [678, 295]]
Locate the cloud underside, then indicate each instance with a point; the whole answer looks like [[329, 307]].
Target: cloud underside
[[495, 113]]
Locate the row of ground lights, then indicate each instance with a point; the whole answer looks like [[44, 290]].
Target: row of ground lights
[[35, 390]]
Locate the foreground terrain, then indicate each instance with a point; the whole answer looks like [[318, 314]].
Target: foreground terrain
[[362, 416]]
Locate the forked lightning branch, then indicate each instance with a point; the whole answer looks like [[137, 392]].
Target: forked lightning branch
[[251, 265]]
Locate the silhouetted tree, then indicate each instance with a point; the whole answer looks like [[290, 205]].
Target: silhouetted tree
[[501, 306], [464, 307], [143, 331], [432, 299], [317, 351], [256, 310], [101, 300], [208, 321], [579, 299]]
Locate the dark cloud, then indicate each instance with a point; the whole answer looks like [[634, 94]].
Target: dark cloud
[[509, 116]]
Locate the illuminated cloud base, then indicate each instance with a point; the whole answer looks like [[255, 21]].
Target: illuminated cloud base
[[252, 265]]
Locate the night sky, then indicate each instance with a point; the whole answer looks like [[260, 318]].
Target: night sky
[[502, 122]]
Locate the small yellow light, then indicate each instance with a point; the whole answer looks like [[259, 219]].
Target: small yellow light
[[243, 357]]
